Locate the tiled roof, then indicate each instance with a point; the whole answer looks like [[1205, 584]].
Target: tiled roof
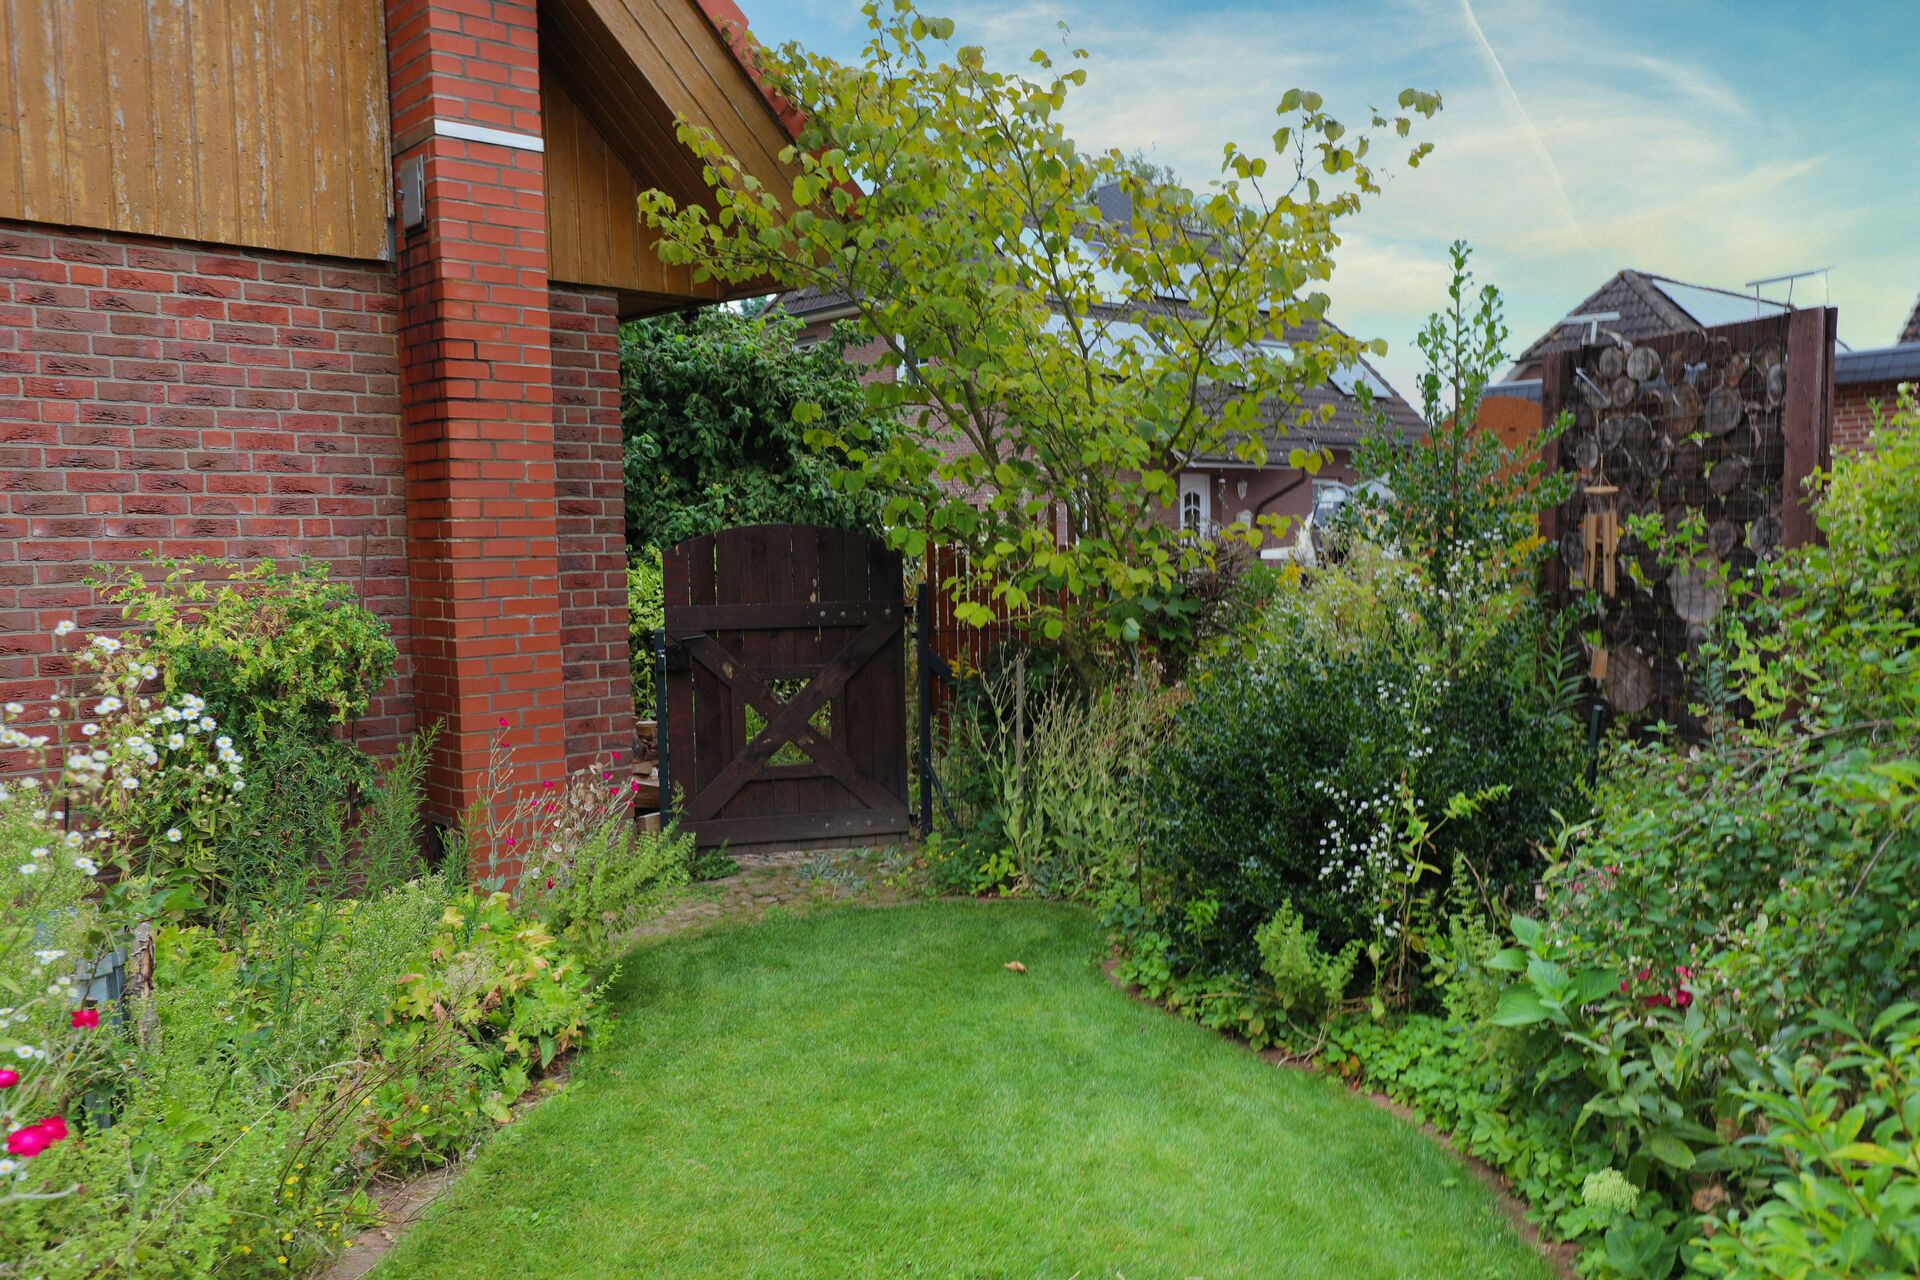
[[1645, 312], [1884, 364], [1912, 331]]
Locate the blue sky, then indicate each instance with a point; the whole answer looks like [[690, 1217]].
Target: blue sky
[[1712, 142]]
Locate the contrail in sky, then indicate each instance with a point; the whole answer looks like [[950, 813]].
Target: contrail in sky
[[1513, 100]]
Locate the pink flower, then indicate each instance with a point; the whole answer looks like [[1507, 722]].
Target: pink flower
[[28, 1142], [605, 776], [8, 1078], [616, 755], [511, 842], [86, 1018], [1682, 998], [503, 722], [1643, 975], [547, 785], [549, 882], [35, 1138], [1623, 986], [1686, 974]]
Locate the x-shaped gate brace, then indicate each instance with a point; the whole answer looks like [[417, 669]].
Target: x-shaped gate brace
[[788, 721]]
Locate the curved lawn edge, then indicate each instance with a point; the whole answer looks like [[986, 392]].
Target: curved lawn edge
[[1556, 1254], [865, 1092]]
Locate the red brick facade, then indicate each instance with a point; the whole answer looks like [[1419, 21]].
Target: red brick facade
[[1853, 412], [592, 523], [191, 400]]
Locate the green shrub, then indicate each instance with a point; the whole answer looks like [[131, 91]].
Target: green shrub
[[1053, 792], [1307, 981], [592, 873], [1841, 1151], [273, 654], [707, 401], [646, 614], [1286, 776]]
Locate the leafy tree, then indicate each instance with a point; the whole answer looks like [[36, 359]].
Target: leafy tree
[[1063, 368], [707, 411], [1459, 490]]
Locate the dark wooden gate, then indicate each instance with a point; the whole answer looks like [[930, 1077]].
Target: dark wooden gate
[[786, 686]]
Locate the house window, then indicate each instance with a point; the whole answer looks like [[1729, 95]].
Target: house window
[[1196, 511]]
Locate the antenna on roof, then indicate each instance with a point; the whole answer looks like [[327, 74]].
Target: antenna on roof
[[1825, 274], [1592, 320]]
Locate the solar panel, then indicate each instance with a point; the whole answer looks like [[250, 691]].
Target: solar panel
[[1711, 307]]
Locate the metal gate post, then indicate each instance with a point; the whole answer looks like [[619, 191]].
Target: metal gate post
[[660, 722], [923, 651]]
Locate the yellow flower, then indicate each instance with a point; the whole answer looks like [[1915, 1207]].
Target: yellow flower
[[246, 1248], [282, 1259]]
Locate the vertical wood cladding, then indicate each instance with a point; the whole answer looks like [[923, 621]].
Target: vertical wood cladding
[[260, 123]]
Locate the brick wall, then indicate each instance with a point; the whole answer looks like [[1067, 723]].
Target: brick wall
[[592, 525], [1853, 412], [161, 395]]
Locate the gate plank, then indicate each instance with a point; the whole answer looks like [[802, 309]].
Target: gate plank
[[765, 603]]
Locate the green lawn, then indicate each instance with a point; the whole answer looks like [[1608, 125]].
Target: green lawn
[[869, 1093]]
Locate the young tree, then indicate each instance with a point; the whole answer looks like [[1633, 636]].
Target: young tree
[[1065, 366], [1460, 489]]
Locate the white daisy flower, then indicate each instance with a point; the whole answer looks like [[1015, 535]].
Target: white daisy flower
[[223, 742], [176, 741], [239, 785], [206, 723], [212, 771], [108, 705], [74, 839], [90, 729], [39, 851], [149, 672], [173, 835], [130, 783], [87, 866], [106, 644], [28, 868], [48, 956], [15, 709], [63, 627]]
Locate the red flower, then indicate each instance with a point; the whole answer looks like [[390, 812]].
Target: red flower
[[1686, 974], [8, 1078], [1643, 975], [86, 1018], [1658, 998], [1623, 986], [35, 1138], [549, 882], [1682, 998]]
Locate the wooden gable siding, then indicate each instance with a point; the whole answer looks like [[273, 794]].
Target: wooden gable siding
[[616, 74], [594, 235], [260, 123]]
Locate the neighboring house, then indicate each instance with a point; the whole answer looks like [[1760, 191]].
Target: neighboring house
[[1649, 306], [250, 309], [1215, 491]]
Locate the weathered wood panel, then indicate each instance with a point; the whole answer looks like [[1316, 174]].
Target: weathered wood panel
[[816, 612], [615, 75], [594, 236], [247, 122]]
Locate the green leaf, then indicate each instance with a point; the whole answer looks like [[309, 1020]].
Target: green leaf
[[1519, 1006], [1669, 1150]]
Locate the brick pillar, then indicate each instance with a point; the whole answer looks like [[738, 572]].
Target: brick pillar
[[478, 396]]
